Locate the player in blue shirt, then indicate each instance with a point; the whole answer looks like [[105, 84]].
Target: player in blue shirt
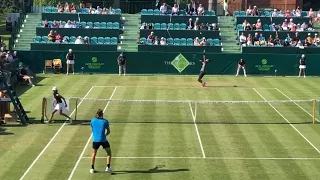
[[99, 125]]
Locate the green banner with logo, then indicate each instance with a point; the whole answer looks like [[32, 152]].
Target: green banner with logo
[[175, 63]]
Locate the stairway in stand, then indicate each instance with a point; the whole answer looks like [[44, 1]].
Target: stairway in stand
[[228, 35], [131, 29], [27, 31]]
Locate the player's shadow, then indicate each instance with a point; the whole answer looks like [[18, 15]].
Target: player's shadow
[[4, 132], [157, 169]]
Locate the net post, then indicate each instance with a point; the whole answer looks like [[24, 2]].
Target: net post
[[313, 111]]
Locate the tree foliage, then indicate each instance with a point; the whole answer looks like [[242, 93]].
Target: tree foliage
[[53, 2], [9, 6]]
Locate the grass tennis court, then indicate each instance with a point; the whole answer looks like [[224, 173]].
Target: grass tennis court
[[170, 140]]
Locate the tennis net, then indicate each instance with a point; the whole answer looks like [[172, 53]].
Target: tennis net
[[82, 110]]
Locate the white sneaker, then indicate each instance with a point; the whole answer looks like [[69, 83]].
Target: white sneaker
[[91, 171], [245, 75], [73, 73], [236, 74], [304, 76], [67, 73], [124, 74], [108, 170]]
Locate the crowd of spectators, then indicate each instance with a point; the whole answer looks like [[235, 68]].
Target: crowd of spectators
[[71, 8], [60, 24], [285, 26], [152, 39], [191, 9], [54, 36], [296, 41]]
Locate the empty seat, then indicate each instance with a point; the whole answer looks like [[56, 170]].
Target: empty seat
[[103, 25], [183, 42], [96, 25], [176, 41], [183, 26], [150, 11], [163, 26], [118, 11], [156, 12], [101, 40], [156, 26], [116, 25], [114, 40], [236, 13], [216, 42], [107, 40], [176, 26], [73, 39], [144, 12], [94, 40], [109, 25], [44, 38], [170, 41], [90, 24], [170, 26]]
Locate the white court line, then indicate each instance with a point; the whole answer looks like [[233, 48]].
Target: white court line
[[186, 87], [288, 122], [296, 104], [51, 140], [217, 158], [198, 134], [85, 147]]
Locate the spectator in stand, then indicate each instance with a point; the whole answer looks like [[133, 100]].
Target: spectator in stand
[[175, 10], [316, 39], [86, 40], [288, 14], [111, 11], [290, 24], [104, 11], [143, 26], [255, 11], [286, 43], [262, 40], [249, 40], [54, 24], [200, 10], [226, 7], [61, 24], [156, 40], [270, 41], [274, 13], [74, 24], [66, 7], [304, 26], [242, 39], [203, 42], [189, 10], [277, 40], [91, 10], [311, 14], [150, 37], [73, 8], [310, 26], [214, 27], [59, 4], [196, 25], [45, 23], [296, 38], [309, 40], [249, 11], [98, 10], [79, 40], [317, 19], [164, 9], [65, 39], [248, 27], [298, 12], [190, 24], [163, 41], [58, 37], [256, 39], [150, 26], [202, 27], [51, 36], [82, 5], [244, 24], [293, 28], [258, 25], [284, 25], [273, 27], [9, 56], [60, 9], [288, 38], [196, 42], [68, 24]]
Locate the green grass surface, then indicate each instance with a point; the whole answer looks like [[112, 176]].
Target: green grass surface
[[160, 140]]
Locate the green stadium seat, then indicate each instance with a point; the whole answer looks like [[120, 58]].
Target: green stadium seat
[[117, 11], [97, 25], [101, 40], [43, 42], [144, 12], [44, 38], [170, 41], [267, 13], [266, 27], [116, 25], [103, 25], [212, 13], [150, 11], [114, 40], [64, 22], [176, 41], [216, 42], [182, 12], [72, 39], [170, 26], [94, 40], [183, 26], [210, 41], [304, 14], [107, 40], [37, 38], [109, 25], [156, 12], [50, 22], [47, 9], [143, 39], [239, 27], [54, 9], [163, 26], [176, 26], [243, 13], [183, 42], [83, 24], [90, 24], [156, 26], [49, 42], [236, 13]]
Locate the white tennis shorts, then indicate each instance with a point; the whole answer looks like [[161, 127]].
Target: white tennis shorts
[[70, 61], [302, 66], [60, 106]]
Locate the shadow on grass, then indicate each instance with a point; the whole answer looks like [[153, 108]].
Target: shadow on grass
[[20, 89], [157, 169], [4, 132]]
